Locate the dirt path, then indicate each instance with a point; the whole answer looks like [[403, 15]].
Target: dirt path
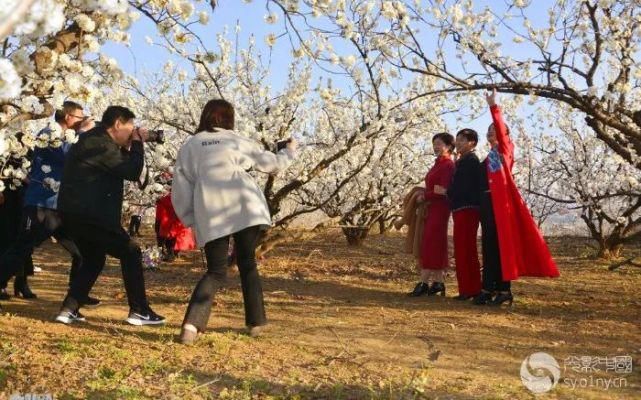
[[341, 327]]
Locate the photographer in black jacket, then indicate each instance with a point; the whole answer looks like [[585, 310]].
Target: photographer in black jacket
[[90, 200]]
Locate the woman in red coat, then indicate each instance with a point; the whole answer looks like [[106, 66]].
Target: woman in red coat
[[512, 243], [434, 258], [173, 234]]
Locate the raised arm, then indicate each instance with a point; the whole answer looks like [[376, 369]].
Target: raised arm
[[266, 161], [126, 164], [506, 147]]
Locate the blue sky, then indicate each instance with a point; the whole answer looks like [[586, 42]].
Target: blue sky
[[140, 57]]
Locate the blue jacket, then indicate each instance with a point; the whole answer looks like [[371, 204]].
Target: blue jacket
[[38, 194]]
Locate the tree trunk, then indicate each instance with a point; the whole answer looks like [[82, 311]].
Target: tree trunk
[[355, 236], [382, 226], [270, 240], [609, 251]]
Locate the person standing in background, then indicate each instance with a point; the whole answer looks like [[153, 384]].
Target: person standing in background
[[40, 218]]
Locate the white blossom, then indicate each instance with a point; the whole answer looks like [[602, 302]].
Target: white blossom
[[9, 80], [203, 17], [85, 22]]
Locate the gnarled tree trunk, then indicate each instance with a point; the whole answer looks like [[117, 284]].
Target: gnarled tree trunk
[[608, 251], [355, 235]]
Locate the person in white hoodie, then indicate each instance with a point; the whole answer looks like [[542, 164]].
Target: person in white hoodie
[[213, 193]]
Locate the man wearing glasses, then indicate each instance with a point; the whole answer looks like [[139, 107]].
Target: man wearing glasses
[[40, 218]]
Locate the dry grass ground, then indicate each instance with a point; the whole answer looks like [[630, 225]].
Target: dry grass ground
[[341, 328]]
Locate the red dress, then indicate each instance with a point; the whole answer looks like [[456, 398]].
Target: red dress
[[171, 227], [523, 250], [434, 254]]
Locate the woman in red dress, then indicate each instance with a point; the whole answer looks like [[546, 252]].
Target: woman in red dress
[[513, 246], [173, 236], [434, 254]]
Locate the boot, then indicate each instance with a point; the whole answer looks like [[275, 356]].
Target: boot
[[420, 289], [501, 298], [437, 287], [21, 288], [483, 298]]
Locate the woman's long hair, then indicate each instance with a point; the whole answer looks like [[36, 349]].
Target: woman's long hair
[[217, 113]]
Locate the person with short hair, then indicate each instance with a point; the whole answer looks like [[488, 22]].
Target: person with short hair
[[91, 196], [434, 258], [464, 197], [213, 192]]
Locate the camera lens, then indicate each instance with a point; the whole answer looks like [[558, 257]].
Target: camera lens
[[156, 136]]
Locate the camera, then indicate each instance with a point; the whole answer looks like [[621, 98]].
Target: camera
[[156, 136]]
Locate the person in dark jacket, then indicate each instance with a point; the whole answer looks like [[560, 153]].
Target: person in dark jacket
[[10, 215], [39, 219], [91, 196], [464, 197]]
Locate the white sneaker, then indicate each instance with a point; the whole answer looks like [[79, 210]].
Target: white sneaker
[[147, 318], [68, 317]]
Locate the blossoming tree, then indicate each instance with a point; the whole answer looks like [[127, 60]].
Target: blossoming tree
[[583, 174], [583, 55], [51, 51]]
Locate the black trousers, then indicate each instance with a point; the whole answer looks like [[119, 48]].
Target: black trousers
[[21, 273], [199, 307], [10, 223], [94, 243], [492, 274], [38, 224], [134, 225]]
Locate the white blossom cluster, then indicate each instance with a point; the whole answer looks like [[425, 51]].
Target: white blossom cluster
[[570, 165], [53, 53]]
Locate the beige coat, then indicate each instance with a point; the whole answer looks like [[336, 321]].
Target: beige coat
[[414, 213]]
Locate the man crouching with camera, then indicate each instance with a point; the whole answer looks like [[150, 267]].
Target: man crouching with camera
[[90, 200]]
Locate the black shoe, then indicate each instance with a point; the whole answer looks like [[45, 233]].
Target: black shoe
[[21, 289], [464, 297], [90, 302], [146, 318], [4, 294], [420, 289], [483, 298], [501, 298], [68, 317], [437, 287]]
